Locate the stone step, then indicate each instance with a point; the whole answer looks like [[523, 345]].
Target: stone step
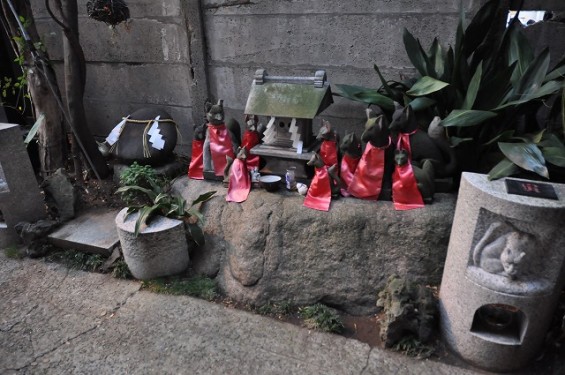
[[94, 231]]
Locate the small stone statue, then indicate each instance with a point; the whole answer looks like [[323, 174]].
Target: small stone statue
[[350, 149], [328, 148], [251, 138], [375, 165], [409, 309], [424, 175], [221, 140], [195, 169], [325, 185], [436, 149], [238, 178]]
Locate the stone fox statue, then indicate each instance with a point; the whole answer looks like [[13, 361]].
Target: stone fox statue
[[351, 151], [373, 175], [502, 250], [325, 185], [329, 139], [221, 140], [437, 150], [424, 174]]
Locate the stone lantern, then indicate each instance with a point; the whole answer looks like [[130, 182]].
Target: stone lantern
[[505, 270]]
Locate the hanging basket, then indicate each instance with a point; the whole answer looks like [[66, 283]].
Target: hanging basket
[[111, 12]]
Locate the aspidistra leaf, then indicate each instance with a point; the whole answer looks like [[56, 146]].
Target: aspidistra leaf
[[386, 87], [203, 197], [532, 79], [426, 85], [504, 168], [145, 214], [548, 88], [421, 103], [551, 140], [363, 95], [504, 136], [479, 27], [436, 58], [520, 52], [466, 117], [196, 233], [557, 73], [414, 51], [554, 155], [473, 88], [525, 155]]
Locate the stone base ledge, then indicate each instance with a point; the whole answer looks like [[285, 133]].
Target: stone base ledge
[[272, 248]]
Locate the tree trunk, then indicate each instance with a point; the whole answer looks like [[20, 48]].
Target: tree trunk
[[75, 79], [43, 89]]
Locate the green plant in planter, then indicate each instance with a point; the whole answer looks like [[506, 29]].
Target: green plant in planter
[[483, 88], [138, 175], [165, 204]]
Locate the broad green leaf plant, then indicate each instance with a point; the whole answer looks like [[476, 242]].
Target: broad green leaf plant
[[482, 87], [165, 204]]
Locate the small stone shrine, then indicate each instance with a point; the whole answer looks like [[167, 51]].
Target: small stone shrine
[[504, 271], [20, 197], [290, 103]]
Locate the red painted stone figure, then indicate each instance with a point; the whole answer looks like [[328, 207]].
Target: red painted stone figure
[[351, 152], [196, 167], [251, 138], [239, 180], [325, 185], [221, 141], [328, 148], [375, 165]]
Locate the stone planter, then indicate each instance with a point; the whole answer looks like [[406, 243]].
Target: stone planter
[[159, 250]]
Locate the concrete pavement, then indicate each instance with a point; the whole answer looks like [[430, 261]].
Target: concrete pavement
[[59, 321]]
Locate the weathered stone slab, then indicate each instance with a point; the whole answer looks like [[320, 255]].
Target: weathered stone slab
[[94, 231], [20, 197], [271, 248], [504, 272]]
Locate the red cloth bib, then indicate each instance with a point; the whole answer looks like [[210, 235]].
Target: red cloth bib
[[196, 161], [328, 152], [319, 194], [346, 172], [239, 182], [220, 146], [405, 192], [368, 178], [250, 140]]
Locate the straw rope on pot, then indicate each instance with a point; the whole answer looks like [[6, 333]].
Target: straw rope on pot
[[111, 12], [147, 123]]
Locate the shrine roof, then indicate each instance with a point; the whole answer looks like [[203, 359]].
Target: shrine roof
[[295, 97]]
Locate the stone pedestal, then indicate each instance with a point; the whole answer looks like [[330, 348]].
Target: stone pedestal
[[271, 248], [159, 250], [20, 197], [503, 273]]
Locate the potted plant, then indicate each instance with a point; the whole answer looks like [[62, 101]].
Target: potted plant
[[155, 234], [486, 88]]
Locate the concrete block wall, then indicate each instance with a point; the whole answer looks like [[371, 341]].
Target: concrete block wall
[[176, 53], [145, 64], [297, 37]]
